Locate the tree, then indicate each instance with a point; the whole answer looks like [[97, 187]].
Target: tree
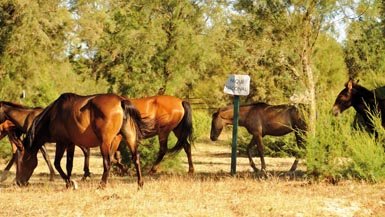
[[144, 47], [33, 53], [365, 44], [291, 30]]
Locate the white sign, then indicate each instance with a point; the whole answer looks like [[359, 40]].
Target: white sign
[[238, 85]]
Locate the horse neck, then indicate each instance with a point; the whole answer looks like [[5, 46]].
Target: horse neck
[[364, 100], [228, 116], [17, 116]]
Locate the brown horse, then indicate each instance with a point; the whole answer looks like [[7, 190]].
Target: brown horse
[[262, 119], [16, 119], [363, 101], [166, 114], [163, 115], [87, 121]]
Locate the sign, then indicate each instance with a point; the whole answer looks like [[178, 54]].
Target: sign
[[238, 85]]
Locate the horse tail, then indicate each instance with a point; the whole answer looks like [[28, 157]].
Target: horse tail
[[185, 128], [133, 119]]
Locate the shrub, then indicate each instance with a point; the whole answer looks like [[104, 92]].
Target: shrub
[[340, 151]]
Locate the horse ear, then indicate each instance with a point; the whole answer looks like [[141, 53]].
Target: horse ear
[[349, 85]]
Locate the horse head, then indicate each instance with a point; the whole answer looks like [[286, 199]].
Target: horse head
[[344, 98], [216, 126], [25, 165]]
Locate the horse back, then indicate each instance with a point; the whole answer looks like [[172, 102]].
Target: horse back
[[275, 120], [87, 120]]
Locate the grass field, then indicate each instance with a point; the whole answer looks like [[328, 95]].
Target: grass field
[[211, 191]]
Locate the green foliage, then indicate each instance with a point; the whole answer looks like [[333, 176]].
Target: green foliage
[[5, 149], [148, 150], [201, 125], [338, 151]]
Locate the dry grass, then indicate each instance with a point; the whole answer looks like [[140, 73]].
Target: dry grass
[[210, 192]]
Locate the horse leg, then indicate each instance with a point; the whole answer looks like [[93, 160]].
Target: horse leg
[[163, 139], [43, 151], [4, 175], [261, 152], [86, 167], [116, 157], [60, 148], [299, 139], [132, 146], [69, 166], [251, 144], [187, 149], [105, 151]]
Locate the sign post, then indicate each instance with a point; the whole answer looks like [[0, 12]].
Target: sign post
[[236, 85]]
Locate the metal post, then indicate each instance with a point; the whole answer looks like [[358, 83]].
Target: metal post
[[235, 136]]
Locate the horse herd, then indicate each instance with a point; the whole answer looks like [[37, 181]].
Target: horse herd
[[104, 120]]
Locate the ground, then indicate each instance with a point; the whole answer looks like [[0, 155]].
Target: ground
[[211, 191]]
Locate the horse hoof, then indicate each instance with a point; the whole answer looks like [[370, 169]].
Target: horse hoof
[[102, 185], [86, 178], [140, 185], [72, 184]]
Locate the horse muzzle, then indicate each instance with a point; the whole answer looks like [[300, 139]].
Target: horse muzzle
[[336, 110], [22, 183], [213, 138]]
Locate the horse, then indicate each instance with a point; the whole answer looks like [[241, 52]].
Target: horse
[[166, 114], [364, 101], [163, 115], [87, 121], [16, 119], [261, 119]]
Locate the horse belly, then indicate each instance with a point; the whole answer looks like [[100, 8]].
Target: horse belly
[[86, 139], [277, 130]]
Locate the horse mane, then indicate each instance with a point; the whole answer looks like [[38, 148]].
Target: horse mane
[[228, 107], [36, 126], [16, 105], [364, 92]]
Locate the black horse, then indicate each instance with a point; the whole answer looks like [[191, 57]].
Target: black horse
[[364, 101], [262, 119]]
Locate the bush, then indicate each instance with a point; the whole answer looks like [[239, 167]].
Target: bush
[[5, 149], [340, 151]]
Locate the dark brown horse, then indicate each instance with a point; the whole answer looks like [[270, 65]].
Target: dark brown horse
[[17, 119], [363, 101], [163, 115], [87, 121], [262, 119]]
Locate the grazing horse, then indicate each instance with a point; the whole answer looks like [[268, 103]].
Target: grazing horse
[[163, 115], [262, 119], [87, 121], [16, 119], [363, 101]]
